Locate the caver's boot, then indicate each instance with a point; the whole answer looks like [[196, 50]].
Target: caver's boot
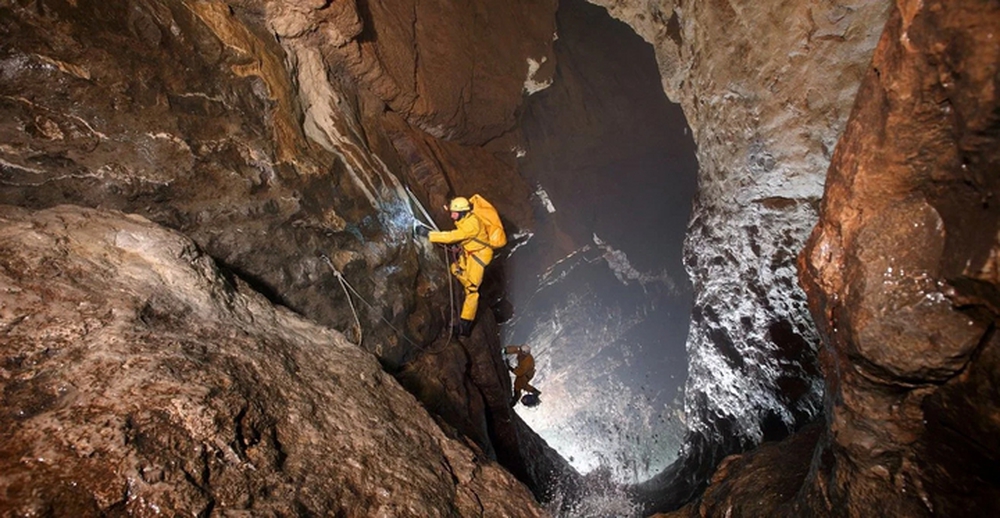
[[465, 327]]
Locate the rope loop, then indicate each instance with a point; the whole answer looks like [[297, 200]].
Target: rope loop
[[347, 286]]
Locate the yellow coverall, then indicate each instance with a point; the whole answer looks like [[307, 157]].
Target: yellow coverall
[[471, 263], [523, 373]]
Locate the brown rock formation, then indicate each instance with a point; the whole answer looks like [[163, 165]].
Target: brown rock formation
[[138, 379], [269, 131], [439, 82], [268, 152], [454, 70], [186, 114], [467, 384], [901, 277], [901, 274], [758, 482]]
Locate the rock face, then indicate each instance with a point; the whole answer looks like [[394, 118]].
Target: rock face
[[902, 274], [284, 159], [455, 71], [270, 132], [137, 379], [185, 113], [194, 115], [746, 75], [902, 279], [430, 88]]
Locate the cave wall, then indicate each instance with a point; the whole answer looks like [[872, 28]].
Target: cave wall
[[185, 113], [901, 277], [269, 132], [438, 86], [901, 274], [745, 74], [273, 131], [278, 137], [139, 379], [766, 88]]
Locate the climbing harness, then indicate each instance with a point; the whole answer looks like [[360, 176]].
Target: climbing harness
[[347, 286], [478, 260]]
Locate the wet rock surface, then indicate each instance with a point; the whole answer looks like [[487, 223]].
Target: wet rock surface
[[454, 71], [900, 274], [270, 132], [466, 383], [185, 113], [757, 482], [138, 378], [766, 89]]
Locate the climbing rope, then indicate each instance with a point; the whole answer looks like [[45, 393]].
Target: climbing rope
[[344, 285], [347, 286], [415, 201], [451, 295], [451, 284]]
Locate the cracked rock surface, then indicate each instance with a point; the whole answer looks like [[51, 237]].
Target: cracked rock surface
[[245, 126], [901, 275], [138, 379]]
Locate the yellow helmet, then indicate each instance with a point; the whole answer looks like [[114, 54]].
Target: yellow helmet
[[459, 204]]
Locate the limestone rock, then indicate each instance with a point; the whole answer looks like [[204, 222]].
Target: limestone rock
[[746, 75], [197, 129], [900, 274], [901, 280], [454, 70], [466, 383], [757, 482], [282, 169], [138, 379]]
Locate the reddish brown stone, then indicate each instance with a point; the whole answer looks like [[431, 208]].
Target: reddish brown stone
[[137, 379], [900, 275], [454, 70], [896, 273], [269, 152]]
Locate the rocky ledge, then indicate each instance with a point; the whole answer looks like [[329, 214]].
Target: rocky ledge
[[138, 378]]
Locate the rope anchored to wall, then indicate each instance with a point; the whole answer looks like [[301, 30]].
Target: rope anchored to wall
[[447, 259], [348, 289]]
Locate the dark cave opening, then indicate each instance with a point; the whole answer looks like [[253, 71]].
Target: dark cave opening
[[599, 290]]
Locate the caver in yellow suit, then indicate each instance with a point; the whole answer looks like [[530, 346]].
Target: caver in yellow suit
[[475, 254]]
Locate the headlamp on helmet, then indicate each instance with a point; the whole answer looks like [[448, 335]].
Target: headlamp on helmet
[[459, 204]]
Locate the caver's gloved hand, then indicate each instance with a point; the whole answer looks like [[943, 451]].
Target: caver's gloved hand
[[422, 231]]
